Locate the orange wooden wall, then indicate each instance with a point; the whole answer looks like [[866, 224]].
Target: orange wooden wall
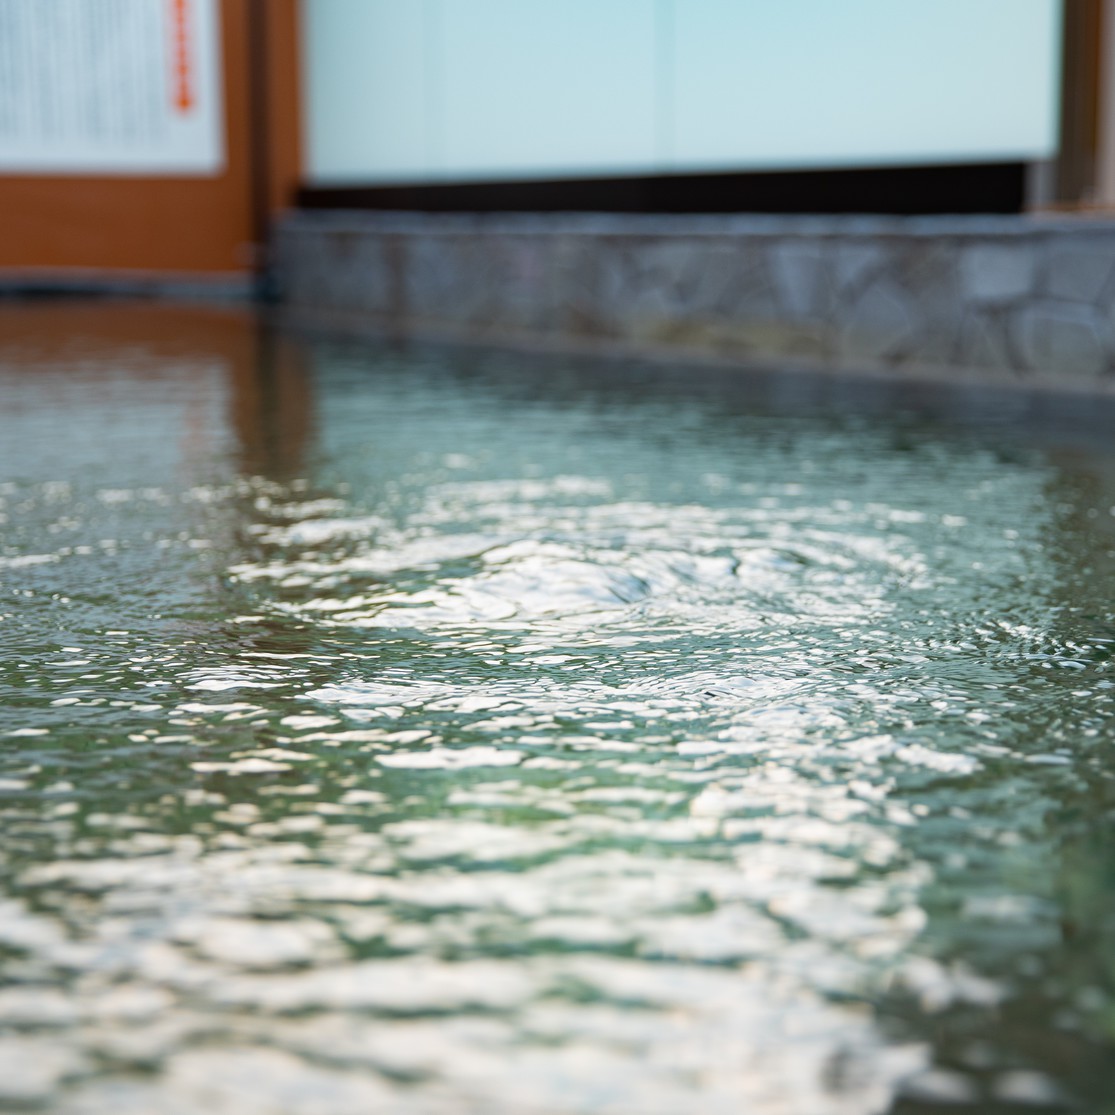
[[186, 225]]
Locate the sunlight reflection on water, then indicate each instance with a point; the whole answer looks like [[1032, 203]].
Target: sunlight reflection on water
[[413, 734]]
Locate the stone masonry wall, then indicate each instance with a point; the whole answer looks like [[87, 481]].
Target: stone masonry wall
[[1029, 296]]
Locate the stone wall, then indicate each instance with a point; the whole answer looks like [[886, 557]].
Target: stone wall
[[1016, 295]]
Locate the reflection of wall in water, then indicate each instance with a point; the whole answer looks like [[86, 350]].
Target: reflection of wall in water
[[271, 404], [267, 399]]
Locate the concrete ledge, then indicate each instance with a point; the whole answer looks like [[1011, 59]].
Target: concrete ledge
[[1019, 298]]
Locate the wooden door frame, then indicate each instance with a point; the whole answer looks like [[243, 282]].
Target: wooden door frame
[[91, 229]]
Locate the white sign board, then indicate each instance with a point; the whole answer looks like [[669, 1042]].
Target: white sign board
[[122, 87]]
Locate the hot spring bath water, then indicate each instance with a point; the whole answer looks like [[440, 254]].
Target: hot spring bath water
[[442, 732]]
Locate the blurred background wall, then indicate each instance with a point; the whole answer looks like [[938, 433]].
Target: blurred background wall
[[161, 137], [144, 137]]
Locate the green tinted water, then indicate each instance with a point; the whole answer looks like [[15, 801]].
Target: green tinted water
[[447, 733]]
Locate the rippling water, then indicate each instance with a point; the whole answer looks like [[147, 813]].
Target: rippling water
[[450, 733]]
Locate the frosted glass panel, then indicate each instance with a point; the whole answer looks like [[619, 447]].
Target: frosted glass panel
[[538, 87], [368, 108], [815, 82], [459, 90]]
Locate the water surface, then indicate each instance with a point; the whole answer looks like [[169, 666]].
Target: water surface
[[431, 731]]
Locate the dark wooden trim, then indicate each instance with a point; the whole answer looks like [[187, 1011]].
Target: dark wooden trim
[[259, 142], [970, 188], [1081, 45]]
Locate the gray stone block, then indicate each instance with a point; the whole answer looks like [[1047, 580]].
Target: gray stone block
[[983, 343], [641, 283], [706, 288], [1077, 273], [429, 276], [753, 300], [593, 287], [797, 267], [354, 273], [997, 273], [1061, 338], [927, 273], [512, 270], [879, 323], [855, 261]]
